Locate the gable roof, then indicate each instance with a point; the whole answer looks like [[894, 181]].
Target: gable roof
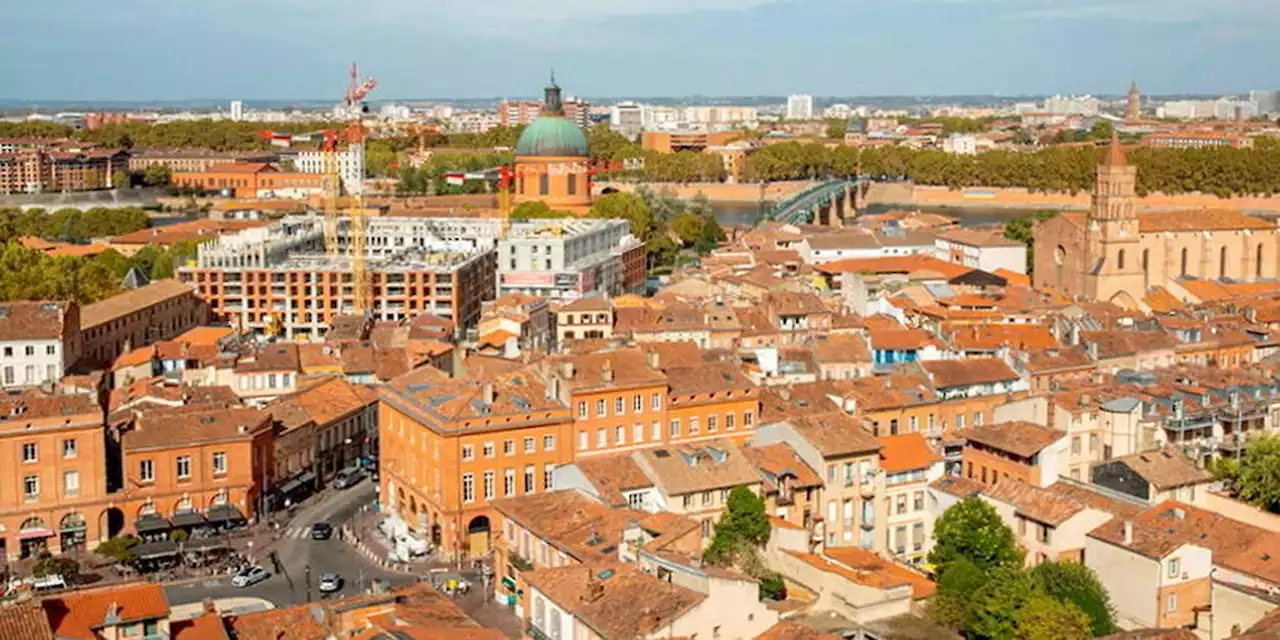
[[24, 622], [1033, 502], [615, 600], [612, 475], [959, 373], [689, 469], [78, 615], [1022, 438], [906, 452], [1166, 468], [32, 320]]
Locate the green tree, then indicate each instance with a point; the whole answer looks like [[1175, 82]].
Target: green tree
[[1255, 477], [1044, 618], [709, 236], [1078, 585], [120, 180], [118, 549], [49, 565], [629, 207], [1023, 230], [743, 528], [157, 175], [955, 588], [836, 128], [606, 144], [688, 226], [773, 587], [535, 209], [972, 530], [995, 608]]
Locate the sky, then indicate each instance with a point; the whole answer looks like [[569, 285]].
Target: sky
[[301, 49]]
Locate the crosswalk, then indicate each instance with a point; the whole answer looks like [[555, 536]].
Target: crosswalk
[[296, 533]]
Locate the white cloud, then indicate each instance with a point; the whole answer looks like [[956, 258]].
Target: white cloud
[[1144, 10]]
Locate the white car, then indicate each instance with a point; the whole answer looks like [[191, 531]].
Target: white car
[[330, 582], [250, 576]]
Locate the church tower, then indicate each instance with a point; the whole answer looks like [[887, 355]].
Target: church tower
[[1133, 108], [1113, 268]]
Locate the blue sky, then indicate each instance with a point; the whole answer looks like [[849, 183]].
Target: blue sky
[[281, 49]]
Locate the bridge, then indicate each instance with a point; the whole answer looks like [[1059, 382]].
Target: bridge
[[825, 204]]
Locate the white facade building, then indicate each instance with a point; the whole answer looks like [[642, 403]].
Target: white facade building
[[38, 342], [237, 110], [564, 259], [1073, 105], [350, 166], [800, 107]]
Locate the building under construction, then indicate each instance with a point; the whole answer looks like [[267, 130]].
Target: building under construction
[[280, 278]]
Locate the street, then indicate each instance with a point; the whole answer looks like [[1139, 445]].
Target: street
[[296, 550]]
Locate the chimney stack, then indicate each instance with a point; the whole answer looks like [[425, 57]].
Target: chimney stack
[[607, 371], [653, 359], [488, 393], [1128, 532], [566, 370]]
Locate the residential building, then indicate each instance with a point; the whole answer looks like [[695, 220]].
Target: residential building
[[518, 112], [323, 428], [1049, 525], [848, 457], [449, 447], [629, 119], [792, 490], [567, 259], [1154, 476], [280, 277], [585, 318], [1027, 452], [39, 342], [186, 467], [350, 163], [981, 248], [123, 611], [520, 317], [909, 463], [54, 170], [619, 401], [863, 245], [267, 372], [193, 159], [799, 107], [708, 401], [1196, 140], [139, 317], [55, 449], [695, 480]]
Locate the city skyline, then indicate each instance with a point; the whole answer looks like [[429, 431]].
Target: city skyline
[[297, 50]]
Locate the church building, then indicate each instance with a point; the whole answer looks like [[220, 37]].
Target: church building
[[1112, 253], [552, 163]]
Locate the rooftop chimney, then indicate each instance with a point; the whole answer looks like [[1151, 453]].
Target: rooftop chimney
[[566, 370], [488, 393], [1128, 532], [607, 371], [653, 359]]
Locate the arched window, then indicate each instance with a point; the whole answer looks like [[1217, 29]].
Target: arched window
[[1257, 262], [1120, 260], [1222, 263], [1184, 261]]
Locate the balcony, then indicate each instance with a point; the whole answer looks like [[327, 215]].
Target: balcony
[[1234, 443], [786, 499], [535, 633], [1189, 423], [867, 489]]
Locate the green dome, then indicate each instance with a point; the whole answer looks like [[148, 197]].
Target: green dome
[[552, 136]]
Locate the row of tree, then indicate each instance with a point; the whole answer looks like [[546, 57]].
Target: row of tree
[[1255, 476], [70, 225], [985, 591], [28, 274]]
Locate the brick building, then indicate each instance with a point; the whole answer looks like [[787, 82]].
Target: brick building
[[192, 160], [40, 170], [39, 341], [252, 180], [161, 310]]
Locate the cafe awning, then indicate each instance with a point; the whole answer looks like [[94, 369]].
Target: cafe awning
[[151, 522], [155, 550], [204, 544], [225, 513], [188, 519]]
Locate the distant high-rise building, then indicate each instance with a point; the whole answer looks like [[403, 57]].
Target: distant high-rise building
[[514, 112], [628, 118], [237, 110], [800, 107], [1133, 108], [1265, 100], [1073, 105], [578, 111]]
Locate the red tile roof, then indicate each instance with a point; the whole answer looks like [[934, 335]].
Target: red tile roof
[[1022, 438], [76, 616], [905, 452]]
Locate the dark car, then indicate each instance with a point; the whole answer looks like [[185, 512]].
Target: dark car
[[321, 531]]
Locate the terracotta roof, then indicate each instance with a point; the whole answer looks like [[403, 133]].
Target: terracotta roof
[[1055, 359], [673, 354], [776, 460], [876, 578], [1200, 220], [1021, 438], [991, 337], [616, 600], [1033, 502], [1161, 301], [586, 530], [905, 452], [24, 622], [900, 339], [1014, 278], [842, 348], [329, 401], [978, 237], [123, 304], [19, 410], [1165, 469], [589, 303], [611, 475], [960, 373], [205, 627], [792, 303], [628, 368], [686, 469], [1164, 528], [706, 378], [278, 356], [32, 320], [864, 560], [456, 403], [896, 264], [182, 426], [835, 434], [788, 630], [292, 623], [1087, 495], [78, 615], [958, 486], [1117, 343]]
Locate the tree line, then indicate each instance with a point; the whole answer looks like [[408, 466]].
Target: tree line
[[70, 225], [29, 274]]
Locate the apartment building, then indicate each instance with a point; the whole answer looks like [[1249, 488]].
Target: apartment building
[[848, 457], [53, 497], [280, 277], [323, 428], [792, 490], [188, 467], [708, 401], [619, 402], [191, 160], [39, 341], [525, 318], [252, 180], [48, 170], [1154, 476], [1027, 452], [161, 310], [589, 317], [695, 480], [569, 258], [450, 447], [267, 372], [909, 464], [1051, 526]]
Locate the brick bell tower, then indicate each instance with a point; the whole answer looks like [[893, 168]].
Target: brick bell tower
[[1113, 270]]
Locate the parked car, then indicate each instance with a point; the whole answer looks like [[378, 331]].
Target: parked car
[[321, 531], [250, 576], [347, 478], [330, 582]]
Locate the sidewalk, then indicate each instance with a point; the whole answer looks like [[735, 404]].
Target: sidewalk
[[362, 533]]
